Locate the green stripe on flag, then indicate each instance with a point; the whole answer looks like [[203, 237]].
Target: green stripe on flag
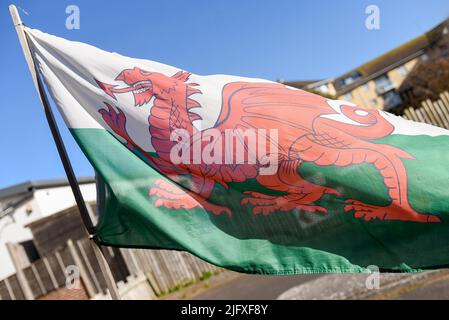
[[282, 242]]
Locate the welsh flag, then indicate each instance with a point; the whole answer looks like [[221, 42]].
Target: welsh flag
[[250, 174]]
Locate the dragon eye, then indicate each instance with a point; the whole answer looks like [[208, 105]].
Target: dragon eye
[[360, 112]]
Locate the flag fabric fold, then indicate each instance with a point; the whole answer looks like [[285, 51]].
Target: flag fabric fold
[[249, 174]]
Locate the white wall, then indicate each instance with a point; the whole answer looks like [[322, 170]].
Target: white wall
[[52, 200], [45, 202], [12, 230]]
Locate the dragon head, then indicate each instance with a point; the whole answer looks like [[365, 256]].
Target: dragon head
[[144, 85], [137, 81]]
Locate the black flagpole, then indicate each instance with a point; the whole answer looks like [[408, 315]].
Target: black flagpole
[[65, 158], [23, 38], [58, 141]]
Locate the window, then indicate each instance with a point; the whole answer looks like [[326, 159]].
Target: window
[[349, 79], [391, 100], [383, 84], [348, 96], [323, 88], [30, 250], [402, 70], [353, 77]]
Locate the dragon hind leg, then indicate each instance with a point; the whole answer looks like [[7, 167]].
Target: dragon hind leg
[[395, 177], [301, 194], [386, 159]]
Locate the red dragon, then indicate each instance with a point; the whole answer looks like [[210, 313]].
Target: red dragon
[[308, 131]]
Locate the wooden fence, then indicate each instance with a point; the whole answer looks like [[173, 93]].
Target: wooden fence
[[167, 270], [164, 270], [431, 112], [38, 279]]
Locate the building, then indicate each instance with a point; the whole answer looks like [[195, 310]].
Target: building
[[380, 83], [43, 241], [28, 202]]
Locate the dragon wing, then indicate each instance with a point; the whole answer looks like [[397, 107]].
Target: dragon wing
[[270, 106]]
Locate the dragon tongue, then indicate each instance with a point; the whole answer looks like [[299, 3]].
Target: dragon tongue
[[107, 88]]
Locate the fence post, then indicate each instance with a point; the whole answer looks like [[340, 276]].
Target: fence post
[[18, 265], [9, 289], [54, 282], [107, 274], [84, 276]]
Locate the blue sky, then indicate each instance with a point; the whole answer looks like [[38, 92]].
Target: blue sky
[[257, 38]]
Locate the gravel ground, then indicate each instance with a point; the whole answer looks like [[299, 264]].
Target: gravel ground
[[421, 285]]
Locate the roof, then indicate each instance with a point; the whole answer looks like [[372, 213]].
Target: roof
[[384, 63], [31, 185], [299, 84], [69, 210], [11, 206]]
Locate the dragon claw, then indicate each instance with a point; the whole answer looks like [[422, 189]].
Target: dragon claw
[[116, 120], [265, 204], [390, 212]]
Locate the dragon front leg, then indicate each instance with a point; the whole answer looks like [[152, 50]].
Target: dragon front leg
[[116, 120]]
